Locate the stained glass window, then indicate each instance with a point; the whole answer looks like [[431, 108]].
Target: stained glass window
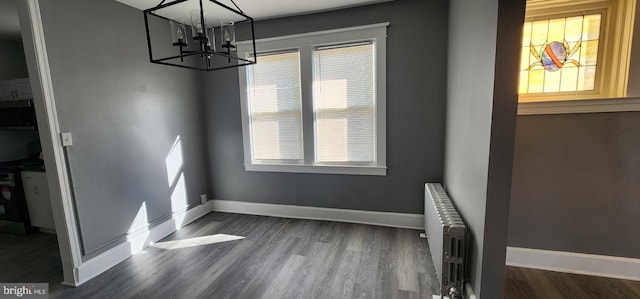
[[560, 55]]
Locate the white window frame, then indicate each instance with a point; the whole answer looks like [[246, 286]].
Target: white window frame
[[613, 59], [305, 43]]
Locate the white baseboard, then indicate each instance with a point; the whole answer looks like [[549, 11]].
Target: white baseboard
[[468, 292], [137, 241], [571, 262], [414, 221]]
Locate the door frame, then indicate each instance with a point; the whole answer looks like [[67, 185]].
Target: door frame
[[55, 159]]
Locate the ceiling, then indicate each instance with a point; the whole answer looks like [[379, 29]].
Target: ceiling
[[9, 24], [257, 9]]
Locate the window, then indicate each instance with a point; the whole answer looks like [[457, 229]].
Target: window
[[343, 93], [275, 105], [575, 50], [315, 102], [560, 55]]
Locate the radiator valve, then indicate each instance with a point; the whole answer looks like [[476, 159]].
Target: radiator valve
[[454, 293]]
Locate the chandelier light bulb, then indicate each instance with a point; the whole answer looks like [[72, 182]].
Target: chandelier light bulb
[[196, 22], [211, 39], [228, 34], [180, 34], [178, 29]]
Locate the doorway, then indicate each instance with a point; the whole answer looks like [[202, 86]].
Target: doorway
[[40, 180]]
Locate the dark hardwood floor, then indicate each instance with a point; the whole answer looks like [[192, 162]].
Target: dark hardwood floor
[[31, 258], [524, 283], [278, 258], [281, 258]]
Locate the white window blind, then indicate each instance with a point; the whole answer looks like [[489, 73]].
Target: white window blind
[[275, 107], [344, 103]]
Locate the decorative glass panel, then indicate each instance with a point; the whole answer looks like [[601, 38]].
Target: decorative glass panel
[[560, 55]]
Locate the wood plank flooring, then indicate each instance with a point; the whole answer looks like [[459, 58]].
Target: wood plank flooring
[[278, 258], [282, 258], [524, 283], [31, 258]]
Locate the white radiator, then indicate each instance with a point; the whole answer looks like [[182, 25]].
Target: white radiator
[[447, 236]]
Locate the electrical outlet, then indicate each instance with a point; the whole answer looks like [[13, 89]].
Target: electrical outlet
[[203, 198]]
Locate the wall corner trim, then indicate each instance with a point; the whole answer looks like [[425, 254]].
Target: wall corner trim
[[402, 220], [136, 242], [576, 263]]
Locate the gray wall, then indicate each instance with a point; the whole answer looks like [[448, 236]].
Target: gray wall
[[575, 183], [12, 61], [416, 63], [481, 114], [13, 65], [575, 179], [125, 115]]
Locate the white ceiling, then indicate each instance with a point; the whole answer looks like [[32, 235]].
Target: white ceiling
[[9, 24], [257, 9]]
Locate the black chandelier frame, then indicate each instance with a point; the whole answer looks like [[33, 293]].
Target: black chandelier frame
[[204, 51]]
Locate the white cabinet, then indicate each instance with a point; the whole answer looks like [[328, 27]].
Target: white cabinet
[[17, 89], [36, 192]]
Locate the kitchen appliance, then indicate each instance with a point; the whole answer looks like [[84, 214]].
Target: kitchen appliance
[[14, 214], [17, 115], [36, 193]]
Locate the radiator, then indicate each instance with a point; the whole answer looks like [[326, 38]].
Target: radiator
[[447, 237]]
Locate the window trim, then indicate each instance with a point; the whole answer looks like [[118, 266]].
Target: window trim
[[580, 106], [612, 84], [305, 43]]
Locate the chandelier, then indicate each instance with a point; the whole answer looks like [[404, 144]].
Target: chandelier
[[202, 34]]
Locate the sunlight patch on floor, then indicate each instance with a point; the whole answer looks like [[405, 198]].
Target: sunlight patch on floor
[[199, 241]]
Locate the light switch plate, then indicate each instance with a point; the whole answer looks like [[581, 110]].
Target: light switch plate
[[203, 198], [67, 139]]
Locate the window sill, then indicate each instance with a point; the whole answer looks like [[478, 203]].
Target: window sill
[[580, 106], [322, 169]]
